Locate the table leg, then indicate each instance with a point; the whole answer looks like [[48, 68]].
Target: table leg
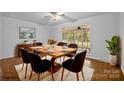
[[55, 66]]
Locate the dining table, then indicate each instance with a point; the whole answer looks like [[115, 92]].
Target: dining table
[[55, 52]]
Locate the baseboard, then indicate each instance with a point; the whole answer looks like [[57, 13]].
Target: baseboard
[[104, 60], [6, 58]]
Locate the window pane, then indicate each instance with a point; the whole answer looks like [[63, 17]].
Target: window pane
[[79, 38]]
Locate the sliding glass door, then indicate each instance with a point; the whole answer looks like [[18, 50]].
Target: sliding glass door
[[79, 36]]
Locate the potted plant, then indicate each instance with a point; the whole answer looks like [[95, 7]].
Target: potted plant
[[113, 48]]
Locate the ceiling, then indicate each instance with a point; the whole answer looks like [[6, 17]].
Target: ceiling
[[42, 17]]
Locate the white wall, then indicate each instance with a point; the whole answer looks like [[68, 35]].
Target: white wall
[[53, 33], [122, 39], [103, 27], [0, 37], [11, 34]]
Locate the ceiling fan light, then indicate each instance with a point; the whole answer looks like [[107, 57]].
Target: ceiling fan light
[[56, 17]]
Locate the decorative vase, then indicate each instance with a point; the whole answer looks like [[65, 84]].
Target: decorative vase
[[113, 60]]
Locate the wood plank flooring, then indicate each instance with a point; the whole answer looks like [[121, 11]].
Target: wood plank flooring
[[102, 71]]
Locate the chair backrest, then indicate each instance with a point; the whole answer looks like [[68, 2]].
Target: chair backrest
[[25, 56], [73, 46], [36, 63], [78, 63], [38, 44], [62, 44]]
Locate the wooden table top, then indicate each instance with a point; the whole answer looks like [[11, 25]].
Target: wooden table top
[[53, 50]]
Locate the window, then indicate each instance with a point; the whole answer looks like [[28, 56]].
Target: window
[[80, 36]]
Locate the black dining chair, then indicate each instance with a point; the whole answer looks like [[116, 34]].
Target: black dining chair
[[73, 53], [25, 58], [38, 52], [37, 44], [39, 66], [74, 65], [62, 44]]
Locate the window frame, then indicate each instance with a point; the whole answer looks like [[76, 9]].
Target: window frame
[[74, 30]]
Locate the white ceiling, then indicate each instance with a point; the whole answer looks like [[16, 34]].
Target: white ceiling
[[40, 17]]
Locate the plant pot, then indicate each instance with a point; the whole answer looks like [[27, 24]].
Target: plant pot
[[113, 60]]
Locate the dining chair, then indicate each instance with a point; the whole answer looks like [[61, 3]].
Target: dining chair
[[73, 53], [74, 65], [37, 44], [39, 66], [37, 52], [25, 58], [62, 44]]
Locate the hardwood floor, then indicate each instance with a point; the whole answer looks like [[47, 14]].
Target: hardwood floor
[[102, 71], [7, 69], [105, 72]]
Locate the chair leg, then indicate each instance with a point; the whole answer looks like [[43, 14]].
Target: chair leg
[[83, 75], [22, 66], [62, 74], [26, 70], [38, 78], [77, 76], [52, 73], [31, 74], [63, 58], [60, 59]]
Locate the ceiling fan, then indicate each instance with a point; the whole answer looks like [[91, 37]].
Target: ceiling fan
[[59, 15], [55, 15]]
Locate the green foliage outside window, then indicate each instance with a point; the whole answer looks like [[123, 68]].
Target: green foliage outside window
[[82, 38]]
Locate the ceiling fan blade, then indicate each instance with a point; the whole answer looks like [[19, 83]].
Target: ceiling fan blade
[[61, 14], [57, 14]]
